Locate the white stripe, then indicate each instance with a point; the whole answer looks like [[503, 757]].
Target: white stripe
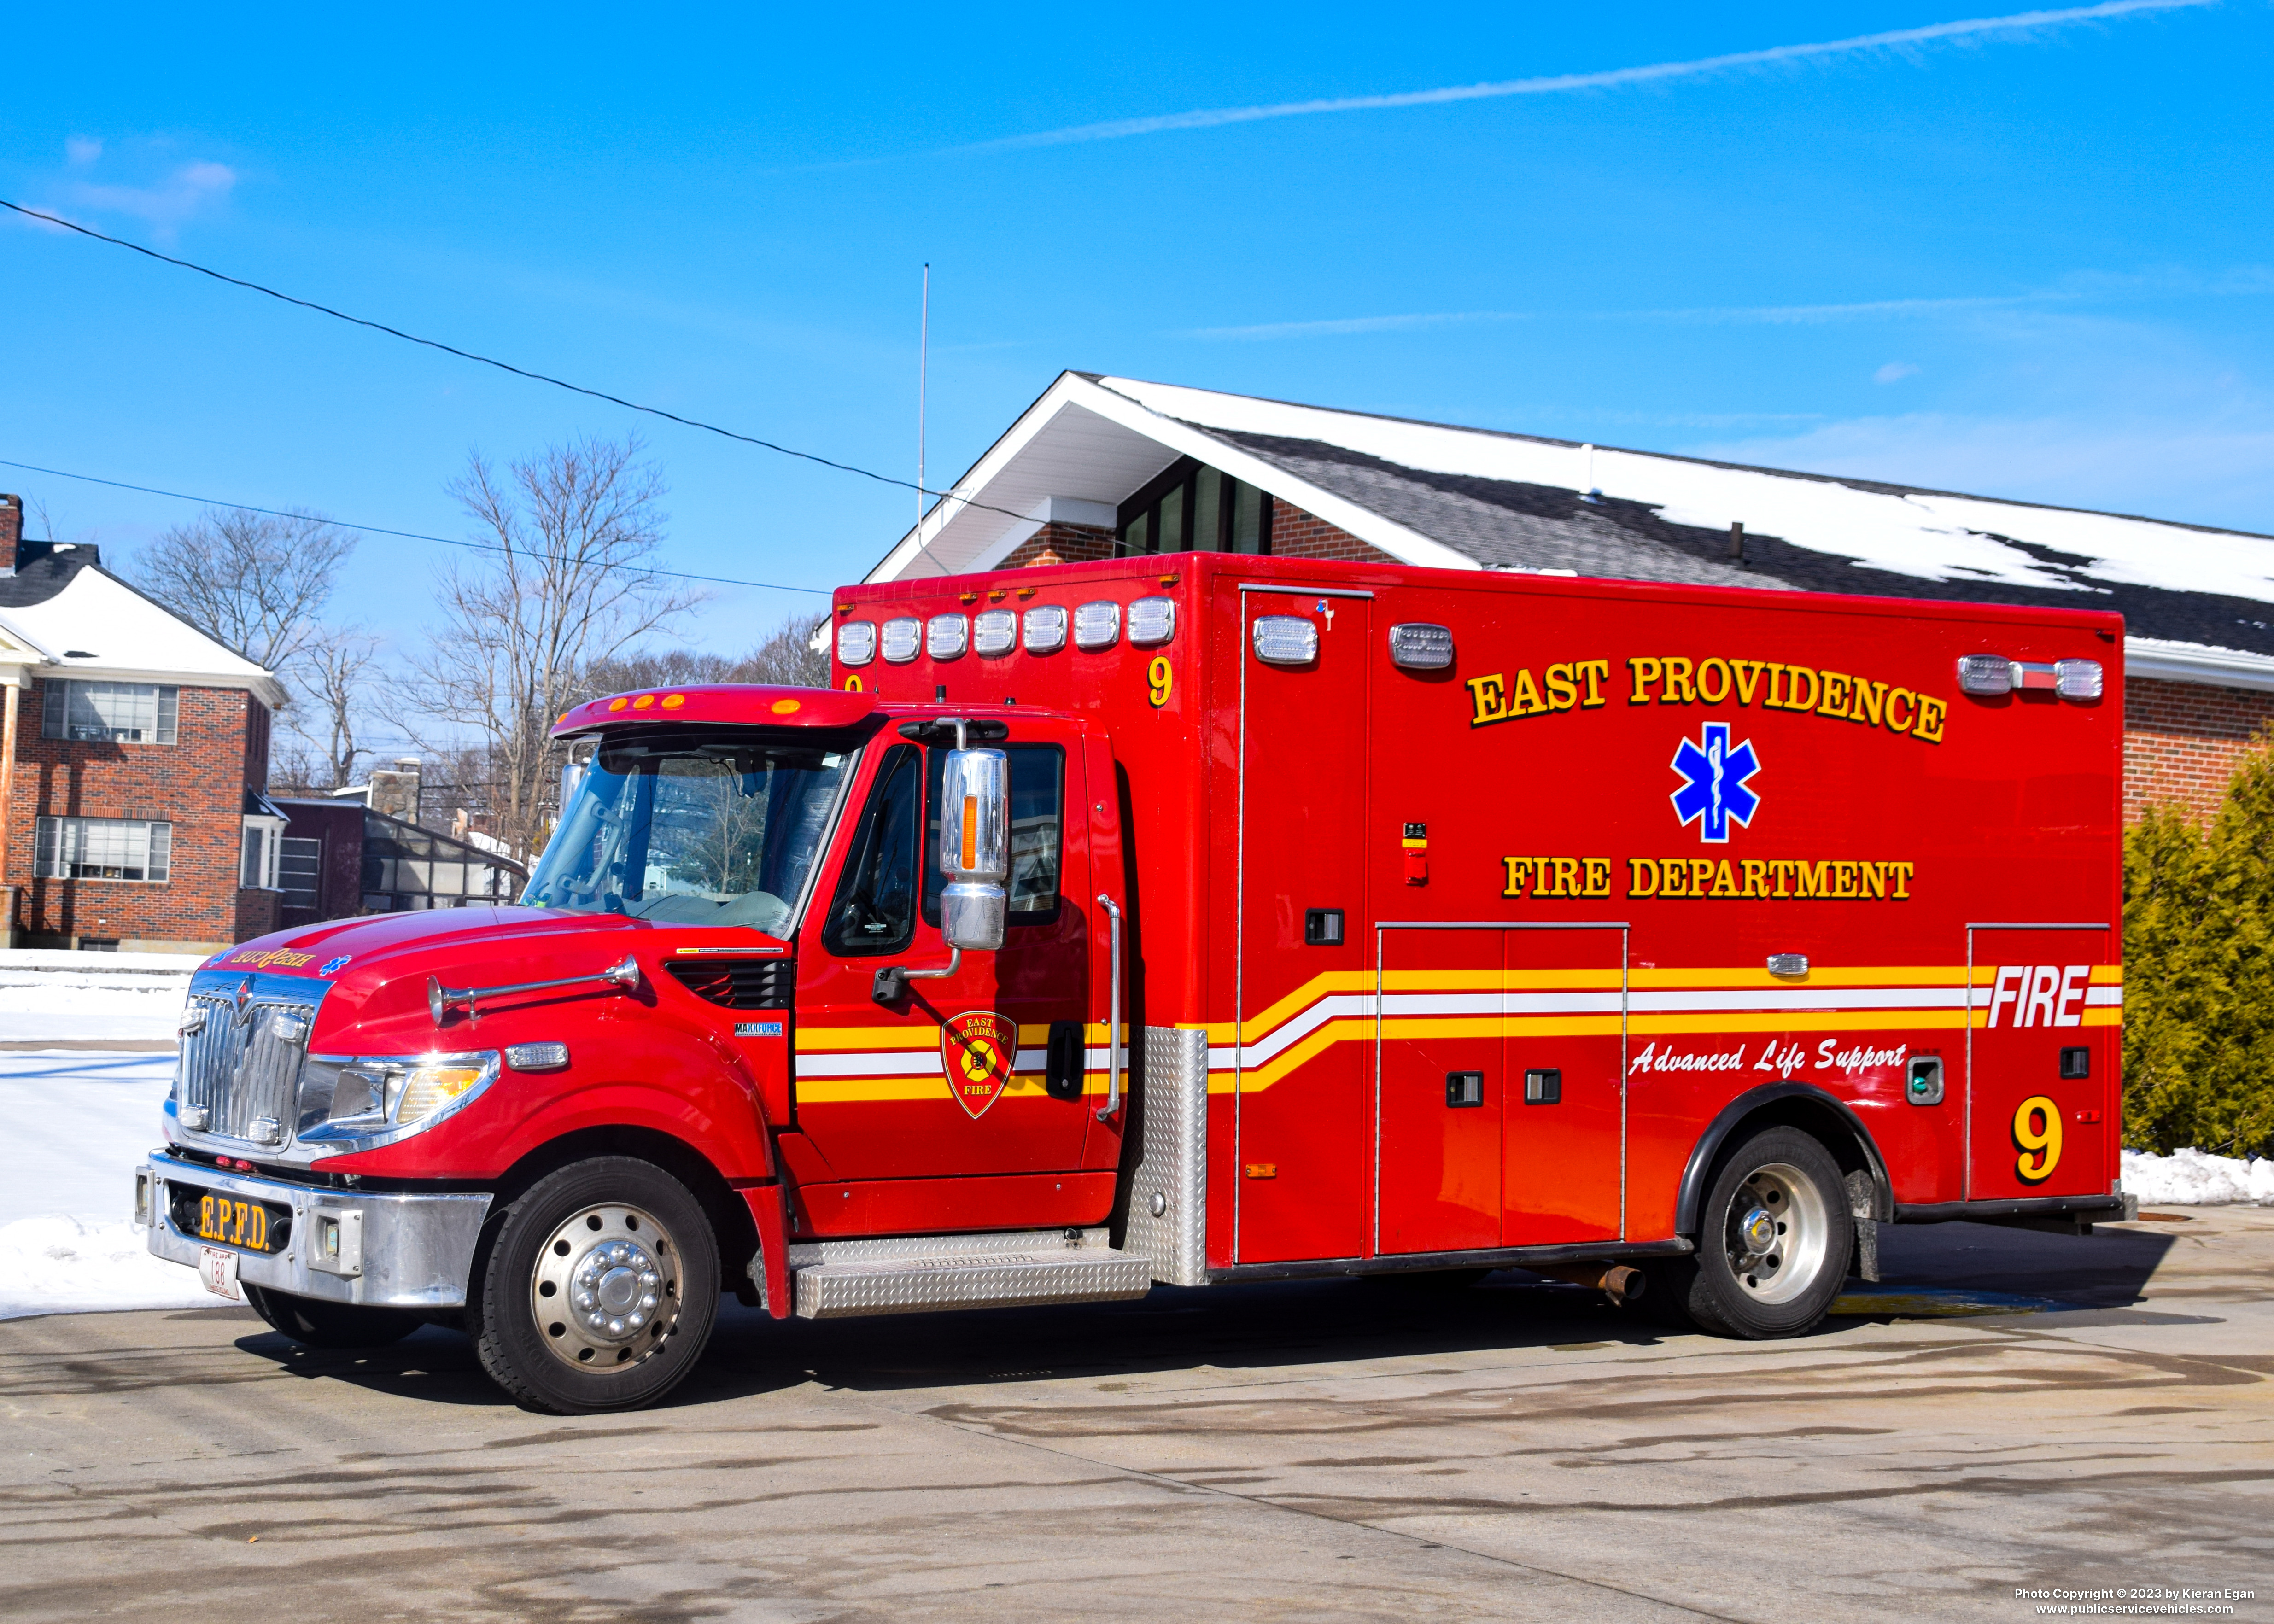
[[902, 1063], [2104, 996]]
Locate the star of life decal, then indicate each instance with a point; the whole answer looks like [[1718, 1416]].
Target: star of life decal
[[1714, 792]]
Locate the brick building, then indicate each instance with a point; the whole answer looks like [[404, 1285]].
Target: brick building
[[133, 762], [1101, 466]]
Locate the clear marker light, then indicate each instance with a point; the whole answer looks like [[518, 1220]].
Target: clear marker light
[[1985, 673], [1418, 646], [857, 643], [902, 637], [995, 631], [1098, 625], [946, 638], [1286, 639], [1152, 621], [2077, 679], [1046, 628]]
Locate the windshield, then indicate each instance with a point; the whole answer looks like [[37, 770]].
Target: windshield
[[694, 828]]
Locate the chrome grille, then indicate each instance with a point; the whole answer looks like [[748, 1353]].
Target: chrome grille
[[242, 1070]]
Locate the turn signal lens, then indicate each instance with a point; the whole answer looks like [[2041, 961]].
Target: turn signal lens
[[424, 1089], [995, 631], [857, 643], [1286, 639], [2077, 679], [1985, 673]]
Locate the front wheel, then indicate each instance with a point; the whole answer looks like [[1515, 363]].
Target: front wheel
[[1774, 1240], [313, 1322], [600, 1290]]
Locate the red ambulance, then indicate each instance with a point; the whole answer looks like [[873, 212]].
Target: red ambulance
[[1207, 918]]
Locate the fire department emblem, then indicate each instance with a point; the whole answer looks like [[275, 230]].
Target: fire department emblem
[[1713, 791], [977, 1050]]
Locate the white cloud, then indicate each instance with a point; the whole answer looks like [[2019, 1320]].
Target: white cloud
[[2017, 24], [1894, 372], [143, 180]]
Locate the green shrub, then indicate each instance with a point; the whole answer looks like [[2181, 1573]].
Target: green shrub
[[2199, 978]]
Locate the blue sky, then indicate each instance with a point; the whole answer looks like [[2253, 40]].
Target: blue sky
[[2028, 261]]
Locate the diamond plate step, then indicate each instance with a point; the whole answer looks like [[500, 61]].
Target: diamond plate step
[[837, 1279]]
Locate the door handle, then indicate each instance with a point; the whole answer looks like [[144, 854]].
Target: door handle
[[1112, 1008]]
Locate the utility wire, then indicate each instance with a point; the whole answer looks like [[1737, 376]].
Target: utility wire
[[503, 366], [373, 530]]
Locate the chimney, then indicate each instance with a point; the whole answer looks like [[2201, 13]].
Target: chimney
[[12, 532], [394, 791]]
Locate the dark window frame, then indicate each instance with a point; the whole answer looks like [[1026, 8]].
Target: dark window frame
[[832, 938], [935, 881], [1186, 473]]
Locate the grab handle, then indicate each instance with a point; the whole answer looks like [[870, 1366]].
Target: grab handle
[[1113, 1010]]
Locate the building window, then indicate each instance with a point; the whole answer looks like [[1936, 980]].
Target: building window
[[260, 850], [110, 712], [1192, 507], [102, 848], [299, 872]]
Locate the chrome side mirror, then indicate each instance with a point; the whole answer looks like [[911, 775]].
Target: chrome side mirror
[[974, 847]]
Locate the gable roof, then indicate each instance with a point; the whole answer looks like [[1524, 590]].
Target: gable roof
[[74, 618], [2198, 603]]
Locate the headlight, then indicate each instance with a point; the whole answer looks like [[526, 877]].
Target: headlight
[[346, 1099]]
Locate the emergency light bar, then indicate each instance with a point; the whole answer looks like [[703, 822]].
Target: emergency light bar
[[1990, 674], [945, 637], [995, 631], [857, 643]]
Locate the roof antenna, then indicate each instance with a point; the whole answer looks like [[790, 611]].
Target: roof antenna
[[1737, 540], [1593, 494], [923, 363]]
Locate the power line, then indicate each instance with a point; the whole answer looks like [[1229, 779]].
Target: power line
[[374, 530], [503, 366]]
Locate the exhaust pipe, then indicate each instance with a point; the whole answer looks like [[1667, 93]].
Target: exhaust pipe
[[1616, 1281]]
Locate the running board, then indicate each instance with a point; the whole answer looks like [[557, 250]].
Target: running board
[[837, 1280]]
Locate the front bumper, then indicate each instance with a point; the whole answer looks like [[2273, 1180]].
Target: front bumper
[[391, 1251]]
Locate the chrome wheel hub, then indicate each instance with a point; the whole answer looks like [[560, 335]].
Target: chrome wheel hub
[[1779, 1230], [606, 1294]]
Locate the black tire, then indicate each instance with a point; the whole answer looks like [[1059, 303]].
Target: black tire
[[600, 1289], [1729, 1288], [315, 1323]]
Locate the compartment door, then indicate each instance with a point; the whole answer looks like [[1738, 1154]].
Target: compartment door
[[2042, 1051], [1441, 1087], [1564, 1160]]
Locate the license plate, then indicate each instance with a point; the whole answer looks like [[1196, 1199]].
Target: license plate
[[218, 1270]]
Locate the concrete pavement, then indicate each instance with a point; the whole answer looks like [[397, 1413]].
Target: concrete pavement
[[1344, 1449]]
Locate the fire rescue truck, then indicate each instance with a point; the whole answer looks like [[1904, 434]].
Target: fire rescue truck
[[1205, 918]]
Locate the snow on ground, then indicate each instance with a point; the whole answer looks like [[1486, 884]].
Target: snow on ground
[[48, 997], [79, 1124], [2193, 1178]]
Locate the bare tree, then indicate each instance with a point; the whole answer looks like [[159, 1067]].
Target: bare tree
[[257, 582], [785, 659], [568, 580]]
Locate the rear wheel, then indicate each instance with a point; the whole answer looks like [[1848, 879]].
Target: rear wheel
[[600, 1291], [1774, 1240], [315, 1323]]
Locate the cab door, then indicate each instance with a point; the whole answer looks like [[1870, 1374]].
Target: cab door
[[2041, 1060], [960, 1075]]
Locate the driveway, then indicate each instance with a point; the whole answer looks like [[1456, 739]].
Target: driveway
[[1340, 1450]]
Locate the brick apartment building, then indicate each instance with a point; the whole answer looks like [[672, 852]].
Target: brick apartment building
[[1105, 466], [133, 762]]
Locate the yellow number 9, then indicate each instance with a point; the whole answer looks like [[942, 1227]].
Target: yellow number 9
[[1159, 673], [2041, 1146]]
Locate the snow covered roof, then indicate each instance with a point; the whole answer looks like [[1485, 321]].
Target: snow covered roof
[[71, 617], [2198, 603]]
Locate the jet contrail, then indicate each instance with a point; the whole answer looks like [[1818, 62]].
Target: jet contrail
[[1209, 117]]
